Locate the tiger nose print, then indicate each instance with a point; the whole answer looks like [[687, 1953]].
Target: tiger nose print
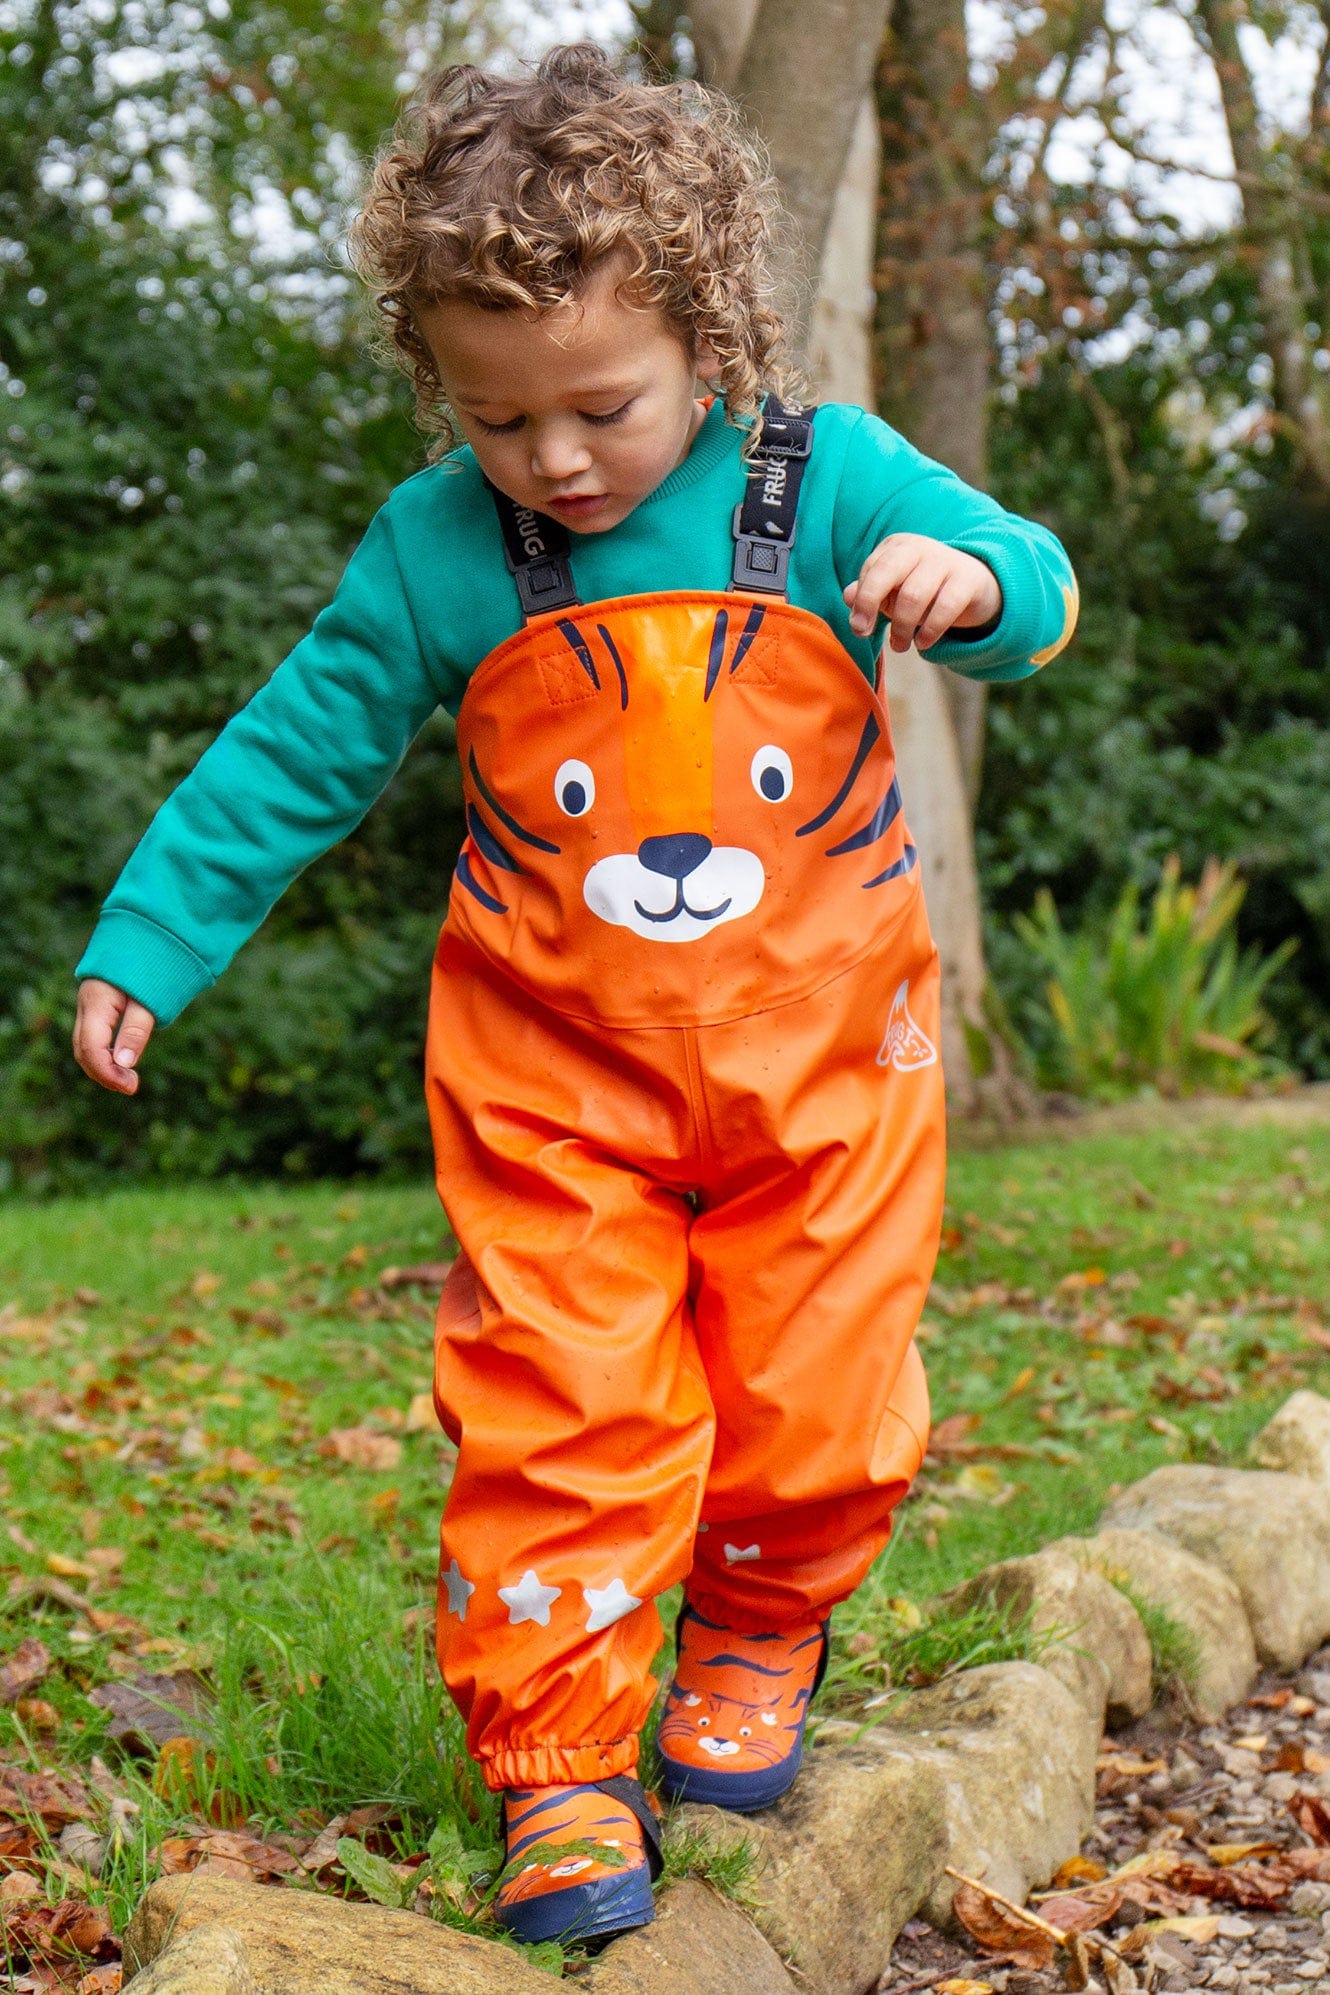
[[676, 856]]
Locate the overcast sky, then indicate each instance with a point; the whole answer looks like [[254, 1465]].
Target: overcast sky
[[1173, 97]]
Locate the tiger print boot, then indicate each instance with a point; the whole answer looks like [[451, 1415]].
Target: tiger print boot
[[733, 1730]]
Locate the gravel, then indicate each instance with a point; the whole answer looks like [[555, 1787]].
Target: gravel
[[1215, 1790]]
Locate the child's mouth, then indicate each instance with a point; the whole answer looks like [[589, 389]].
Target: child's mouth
[[580, 507]]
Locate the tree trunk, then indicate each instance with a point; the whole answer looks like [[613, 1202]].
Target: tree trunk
[[1269, 210], [932, 319], [840, 357]]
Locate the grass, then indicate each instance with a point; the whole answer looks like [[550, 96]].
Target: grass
[[173, 1360]]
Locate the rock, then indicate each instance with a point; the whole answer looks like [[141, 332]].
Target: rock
[[1015, 1750], [701, 1944], [1297, 1440], [843, 1860], [1269, 1532], [1194, 1593], [307, 1943], [1102, 1653], [210, 1960]]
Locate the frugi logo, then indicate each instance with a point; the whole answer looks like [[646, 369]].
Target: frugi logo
[[905, 1046], [532, 542], [773, 485]]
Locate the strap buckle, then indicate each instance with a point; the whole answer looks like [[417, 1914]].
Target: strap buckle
[[760, 563], [789, 434], [543, 586]]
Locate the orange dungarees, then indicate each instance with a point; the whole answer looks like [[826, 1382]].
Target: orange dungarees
[[688, 1120]]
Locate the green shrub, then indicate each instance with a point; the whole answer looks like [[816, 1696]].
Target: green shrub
[[1170, 1002]]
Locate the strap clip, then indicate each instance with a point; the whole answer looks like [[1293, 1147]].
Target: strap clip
[[787, 434], [543, 586], [760, 564]]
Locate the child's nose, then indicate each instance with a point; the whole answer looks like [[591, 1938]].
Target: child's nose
[[558, 452]]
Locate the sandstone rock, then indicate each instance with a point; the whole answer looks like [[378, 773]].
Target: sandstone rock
[[306, 1943], [1102, 1653], [1015, 1750], [1269, 1532], [701, 1944], [1297, 1440], [210, 1960], [843, 1860], [1195, 1594]]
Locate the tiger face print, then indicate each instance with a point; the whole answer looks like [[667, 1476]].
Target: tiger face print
[[677, 806]]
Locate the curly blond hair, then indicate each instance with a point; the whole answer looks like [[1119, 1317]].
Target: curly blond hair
[[511, 191]]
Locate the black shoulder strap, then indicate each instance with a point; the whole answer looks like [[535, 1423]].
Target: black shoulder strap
[[764, 520], [537, 550]]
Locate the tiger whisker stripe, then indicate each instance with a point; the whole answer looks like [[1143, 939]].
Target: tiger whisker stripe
[[579, 646], [506, 817], [497, 854], [867, 740], [878, 825]]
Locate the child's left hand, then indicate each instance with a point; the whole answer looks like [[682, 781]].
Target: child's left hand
[[925, 587]]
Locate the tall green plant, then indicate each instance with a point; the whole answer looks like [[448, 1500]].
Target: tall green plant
[[1170, 1002]]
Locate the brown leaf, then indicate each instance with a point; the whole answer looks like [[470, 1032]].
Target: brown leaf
[[1000, 1932], [426, 1274], [24, 1670], [949, 1433], [362, 1448], [1083, 1911], [101, 1981], [1312, 1817], [37, 1713], [323, 1850], [148, 1710], [53, 1800]]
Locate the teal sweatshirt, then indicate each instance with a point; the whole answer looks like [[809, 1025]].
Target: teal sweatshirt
[[426, 596]]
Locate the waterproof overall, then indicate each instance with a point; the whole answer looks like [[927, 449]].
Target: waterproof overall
[[688, 1120]]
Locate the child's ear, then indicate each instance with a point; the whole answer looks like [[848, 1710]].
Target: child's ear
[[706, 363]]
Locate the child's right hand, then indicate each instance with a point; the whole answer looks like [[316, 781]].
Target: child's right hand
[[110, 1032]]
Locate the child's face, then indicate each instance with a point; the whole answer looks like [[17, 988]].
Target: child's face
[[578, 413]]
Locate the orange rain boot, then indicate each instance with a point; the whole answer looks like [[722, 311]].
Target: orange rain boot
[[733, 1730], [548, 1896]]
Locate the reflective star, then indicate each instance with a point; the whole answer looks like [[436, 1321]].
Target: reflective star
[[459, 1588], [734, 1554], [608, 1603], [529, 1600]]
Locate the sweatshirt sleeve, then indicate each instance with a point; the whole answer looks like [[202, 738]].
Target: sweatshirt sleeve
[[292, 773], [887, 486]]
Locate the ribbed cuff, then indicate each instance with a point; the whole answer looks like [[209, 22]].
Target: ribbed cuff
[[140, 957], [1006, 652]]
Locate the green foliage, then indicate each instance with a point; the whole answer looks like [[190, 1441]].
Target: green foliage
[[727, 1862], [195, 435], [1175, 1652], [1191, 712], [896, 1645], [1172, 1004], [376, 1877]]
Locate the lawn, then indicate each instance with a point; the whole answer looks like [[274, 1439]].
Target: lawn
[[214, 1455]]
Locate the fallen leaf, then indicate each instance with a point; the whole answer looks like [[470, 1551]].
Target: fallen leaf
[[1000, 1932], [1270, 1700], [102, 1981], [1083, 1278], [426, 1274], [323, 1850], [1225, 1854], [1078, 1870], [1200, 1928], [19, 1887], [1252, 1742], [67, 1568], [36, 1712], [421, 1417], [147, 1710], [362, 1448], [24, 1670], [964, 1987], [1312, 1817], [1082, 1911]]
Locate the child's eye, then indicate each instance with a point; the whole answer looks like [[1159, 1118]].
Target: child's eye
[[574, 789], [499, 429], [772, 773], [613, 415]]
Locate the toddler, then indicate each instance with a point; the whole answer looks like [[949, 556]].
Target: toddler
[[682, 1066]]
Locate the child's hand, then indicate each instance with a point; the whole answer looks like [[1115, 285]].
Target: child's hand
[[110, 1032], [925, 587]]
